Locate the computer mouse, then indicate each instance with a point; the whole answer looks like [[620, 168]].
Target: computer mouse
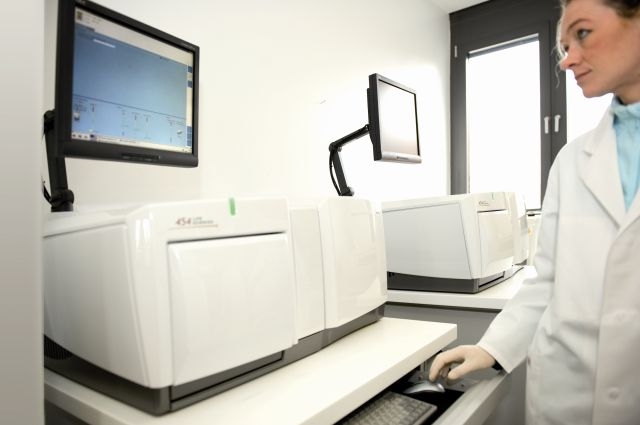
[[425, 386]]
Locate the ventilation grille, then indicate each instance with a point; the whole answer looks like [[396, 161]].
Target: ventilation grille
[[54, 351]]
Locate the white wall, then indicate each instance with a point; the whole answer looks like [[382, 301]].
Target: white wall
[[21, 47], [279, 81]]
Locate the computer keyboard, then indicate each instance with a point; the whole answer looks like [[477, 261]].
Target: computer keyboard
[[390, 408]]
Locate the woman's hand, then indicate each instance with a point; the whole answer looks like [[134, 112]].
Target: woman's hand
[[469, 357]]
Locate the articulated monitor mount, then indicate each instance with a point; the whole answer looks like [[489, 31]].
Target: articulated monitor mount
[[61, 198], [335, 164]]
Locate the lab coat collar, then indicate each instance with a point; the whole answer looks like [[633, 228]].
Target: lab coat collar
[[634, 211], [599, 168]]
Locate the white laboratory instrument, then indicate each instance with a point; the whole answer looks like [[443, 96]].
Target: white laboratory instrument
[[456, 243], [340, 265], [166, 304], [519, 224]]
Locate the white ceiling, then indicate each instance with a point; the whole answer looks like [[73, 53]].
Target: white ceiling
[[453, 5]]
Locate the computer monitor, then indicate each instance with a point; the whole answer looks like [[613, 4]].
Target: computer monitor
[[124, 91], [393, 121], [392, 127]]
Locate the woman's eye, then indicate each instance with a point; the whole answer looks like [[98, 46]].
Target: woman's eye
[[582, 33]]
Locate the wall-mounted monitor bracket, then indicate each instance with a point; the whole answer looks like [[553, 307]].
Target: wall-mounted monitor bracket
[[336, 164], [60, 198]]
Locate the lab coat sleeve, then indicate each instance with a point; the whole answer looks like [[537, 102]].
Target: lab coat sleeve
[[510, 334]]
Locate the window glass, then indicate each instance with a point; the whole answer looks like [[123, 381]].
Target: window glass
[[503, 119], [582, 114]]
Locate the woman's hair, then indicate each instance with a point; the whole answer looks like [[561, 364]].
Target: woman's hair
[[624, 8]]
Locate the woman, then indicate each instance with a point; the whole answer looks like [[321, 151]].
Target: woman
[[578, 322]]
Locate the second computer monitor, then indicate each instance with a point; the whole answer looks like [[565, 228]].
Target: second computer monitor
[[393, 121]]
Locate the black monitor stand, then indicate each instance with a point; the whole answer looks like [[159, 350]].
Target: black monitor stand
[[61, 198], [334, 160]]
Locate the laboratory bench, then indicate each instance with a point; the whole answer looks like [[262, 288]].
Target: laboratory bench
[[472, 313], [319, 389]]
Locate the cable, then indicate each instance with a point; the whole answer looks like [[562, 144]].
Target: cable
[[45, 192], [333, 180]]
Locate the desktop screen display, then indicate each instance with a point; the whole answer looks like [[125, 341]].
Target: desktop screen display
[[125, 91], [393, 122]]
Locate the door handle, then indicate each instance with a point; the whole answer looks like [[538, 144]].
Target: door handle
[[546, 125]]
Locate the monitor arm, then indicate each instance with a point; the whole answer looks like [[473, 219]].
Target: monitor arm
[[334, 160], [61, 198]]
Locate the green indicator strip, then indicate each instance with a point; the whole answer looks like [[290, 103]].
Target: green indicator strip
[[232, 206]]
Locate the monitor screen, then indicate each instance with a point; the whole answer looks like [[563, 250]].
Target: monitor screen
[[124, 91], [393, 121]]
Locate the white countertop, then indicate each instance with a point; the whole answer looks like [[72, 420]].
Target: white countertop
[[493, 298], [318, 389]]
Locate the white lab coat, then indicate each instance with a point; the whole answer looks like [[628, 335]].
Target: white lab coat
[[578, 322]]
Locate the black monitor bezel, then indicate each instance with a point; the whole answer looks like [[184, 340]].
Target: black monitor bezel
[[66, 146], [373, 103]]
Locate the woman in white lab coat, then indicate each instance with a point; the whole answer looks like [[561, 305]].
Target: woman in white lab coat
[[578, 323]]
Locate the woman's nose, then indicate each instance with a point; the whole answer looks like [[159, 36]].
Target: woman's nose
[[570, 59]]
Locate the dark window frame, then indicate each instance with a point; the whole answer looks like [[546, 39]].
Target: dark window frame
[[492, 23]]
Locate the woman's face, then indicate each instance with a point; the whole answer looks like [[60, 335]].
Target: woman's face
[[602, 49]]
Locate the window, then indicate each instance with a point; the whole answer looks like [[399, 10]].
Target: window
[[582, 114], [507, 94], [506, 143]]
